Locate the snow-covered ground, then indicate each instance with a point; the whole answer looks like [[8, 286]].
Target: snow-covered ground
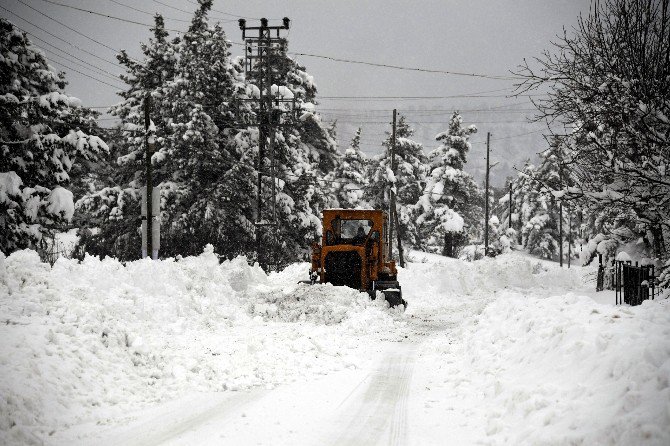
[[511, 350]]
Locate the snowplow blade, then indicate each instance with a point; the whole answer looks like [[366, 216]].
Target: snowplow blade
[[392, 292]]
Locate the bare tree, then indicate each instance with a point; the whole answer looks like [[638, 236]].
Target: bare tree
[[608, 82]]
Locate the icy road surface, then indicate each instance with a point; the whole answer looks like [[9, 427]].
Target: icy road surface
[[510, 350]]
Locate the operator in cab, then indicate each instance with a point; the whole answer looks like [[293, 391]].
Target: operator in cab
[[360, 236]]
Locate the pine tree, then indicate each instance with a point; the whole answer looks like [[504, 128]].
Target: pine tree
[[40, 141], [449, 209], [204, 161], [408, 180], [209, 189], [114, 206], [349, 179], [542, 203]]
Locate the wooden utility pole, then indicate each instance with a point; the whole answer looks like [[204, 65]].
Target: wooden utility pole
[[392, 194], [569, 236], [394, 207], [149, 150], [560, 212], [509, 218], [486, 197], [560, 233]]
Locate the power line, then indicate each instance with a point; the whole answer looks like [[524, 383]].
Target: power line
[[84, 74], [319, 56], [77, 64], [68, 27], [146, 12], [430, 122], [520, 134], [362, 111], [106, 15], [191, 12], [457, 96], [229, 14], [100, 70], [418, 113], [398, 67], [56, 37], [409, 99]]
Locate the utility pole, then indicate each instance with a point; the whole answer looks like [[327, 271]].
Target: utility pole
[[510, 205], [394, 210], [392, 195], [486, 198], [149, 150], [569, 236], [260, 52], [560, 212], [560, 232]]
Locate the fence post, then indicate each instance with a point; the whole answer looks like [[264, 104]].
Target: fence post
[[616, 283], [601, 274], [653, 281]]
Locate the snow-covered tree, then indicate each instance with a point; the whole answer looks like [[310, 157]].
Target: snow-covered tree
[[204, 157], [113, 207], [40, 142], [408, 180], [450, 205], [500, 237], [207, 192], [609, 81], [349, 179], [537, 196]]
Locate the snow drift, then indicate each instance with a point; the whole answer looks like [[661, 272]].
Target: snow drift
[[511, 350], [540, 363], [88, 341]]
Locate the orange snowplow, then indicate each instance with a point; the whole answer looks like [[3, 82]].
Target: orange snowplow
[[354, 253]]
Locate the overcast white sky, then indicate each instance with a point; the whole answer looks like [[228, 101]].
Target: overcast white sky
[[473, 36]]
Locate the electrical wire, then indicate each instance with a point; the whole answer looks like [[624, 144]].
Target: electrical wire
[[319, 56], [229, 14], [44, 42], [344, 121], [106, 15], [146, 12], [70, 28], [56, 37], [520, 134], [77, 64], [191, 12], [399, 67], [84, 74], [362, 111]]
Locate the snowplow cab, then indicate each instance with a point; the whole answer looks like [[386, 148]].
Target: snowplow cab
[[354, 252]]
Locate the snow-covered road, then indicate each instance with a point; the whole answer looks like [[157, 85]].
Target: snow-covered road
[[509, 350]]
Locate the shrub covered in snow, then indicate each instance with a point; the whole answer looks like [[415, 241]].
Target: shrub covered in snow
[[41, 142]]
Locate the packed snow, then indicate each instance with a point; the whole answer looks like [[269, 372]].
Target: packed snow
[[511, 350]]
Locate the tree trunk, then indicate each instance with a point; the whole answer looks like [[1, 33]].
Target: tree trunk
[[448, 250]]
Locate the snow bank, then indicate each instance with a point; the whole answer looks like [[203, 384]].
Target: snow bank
[[535, 367], [90, 341], [433, 274]]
